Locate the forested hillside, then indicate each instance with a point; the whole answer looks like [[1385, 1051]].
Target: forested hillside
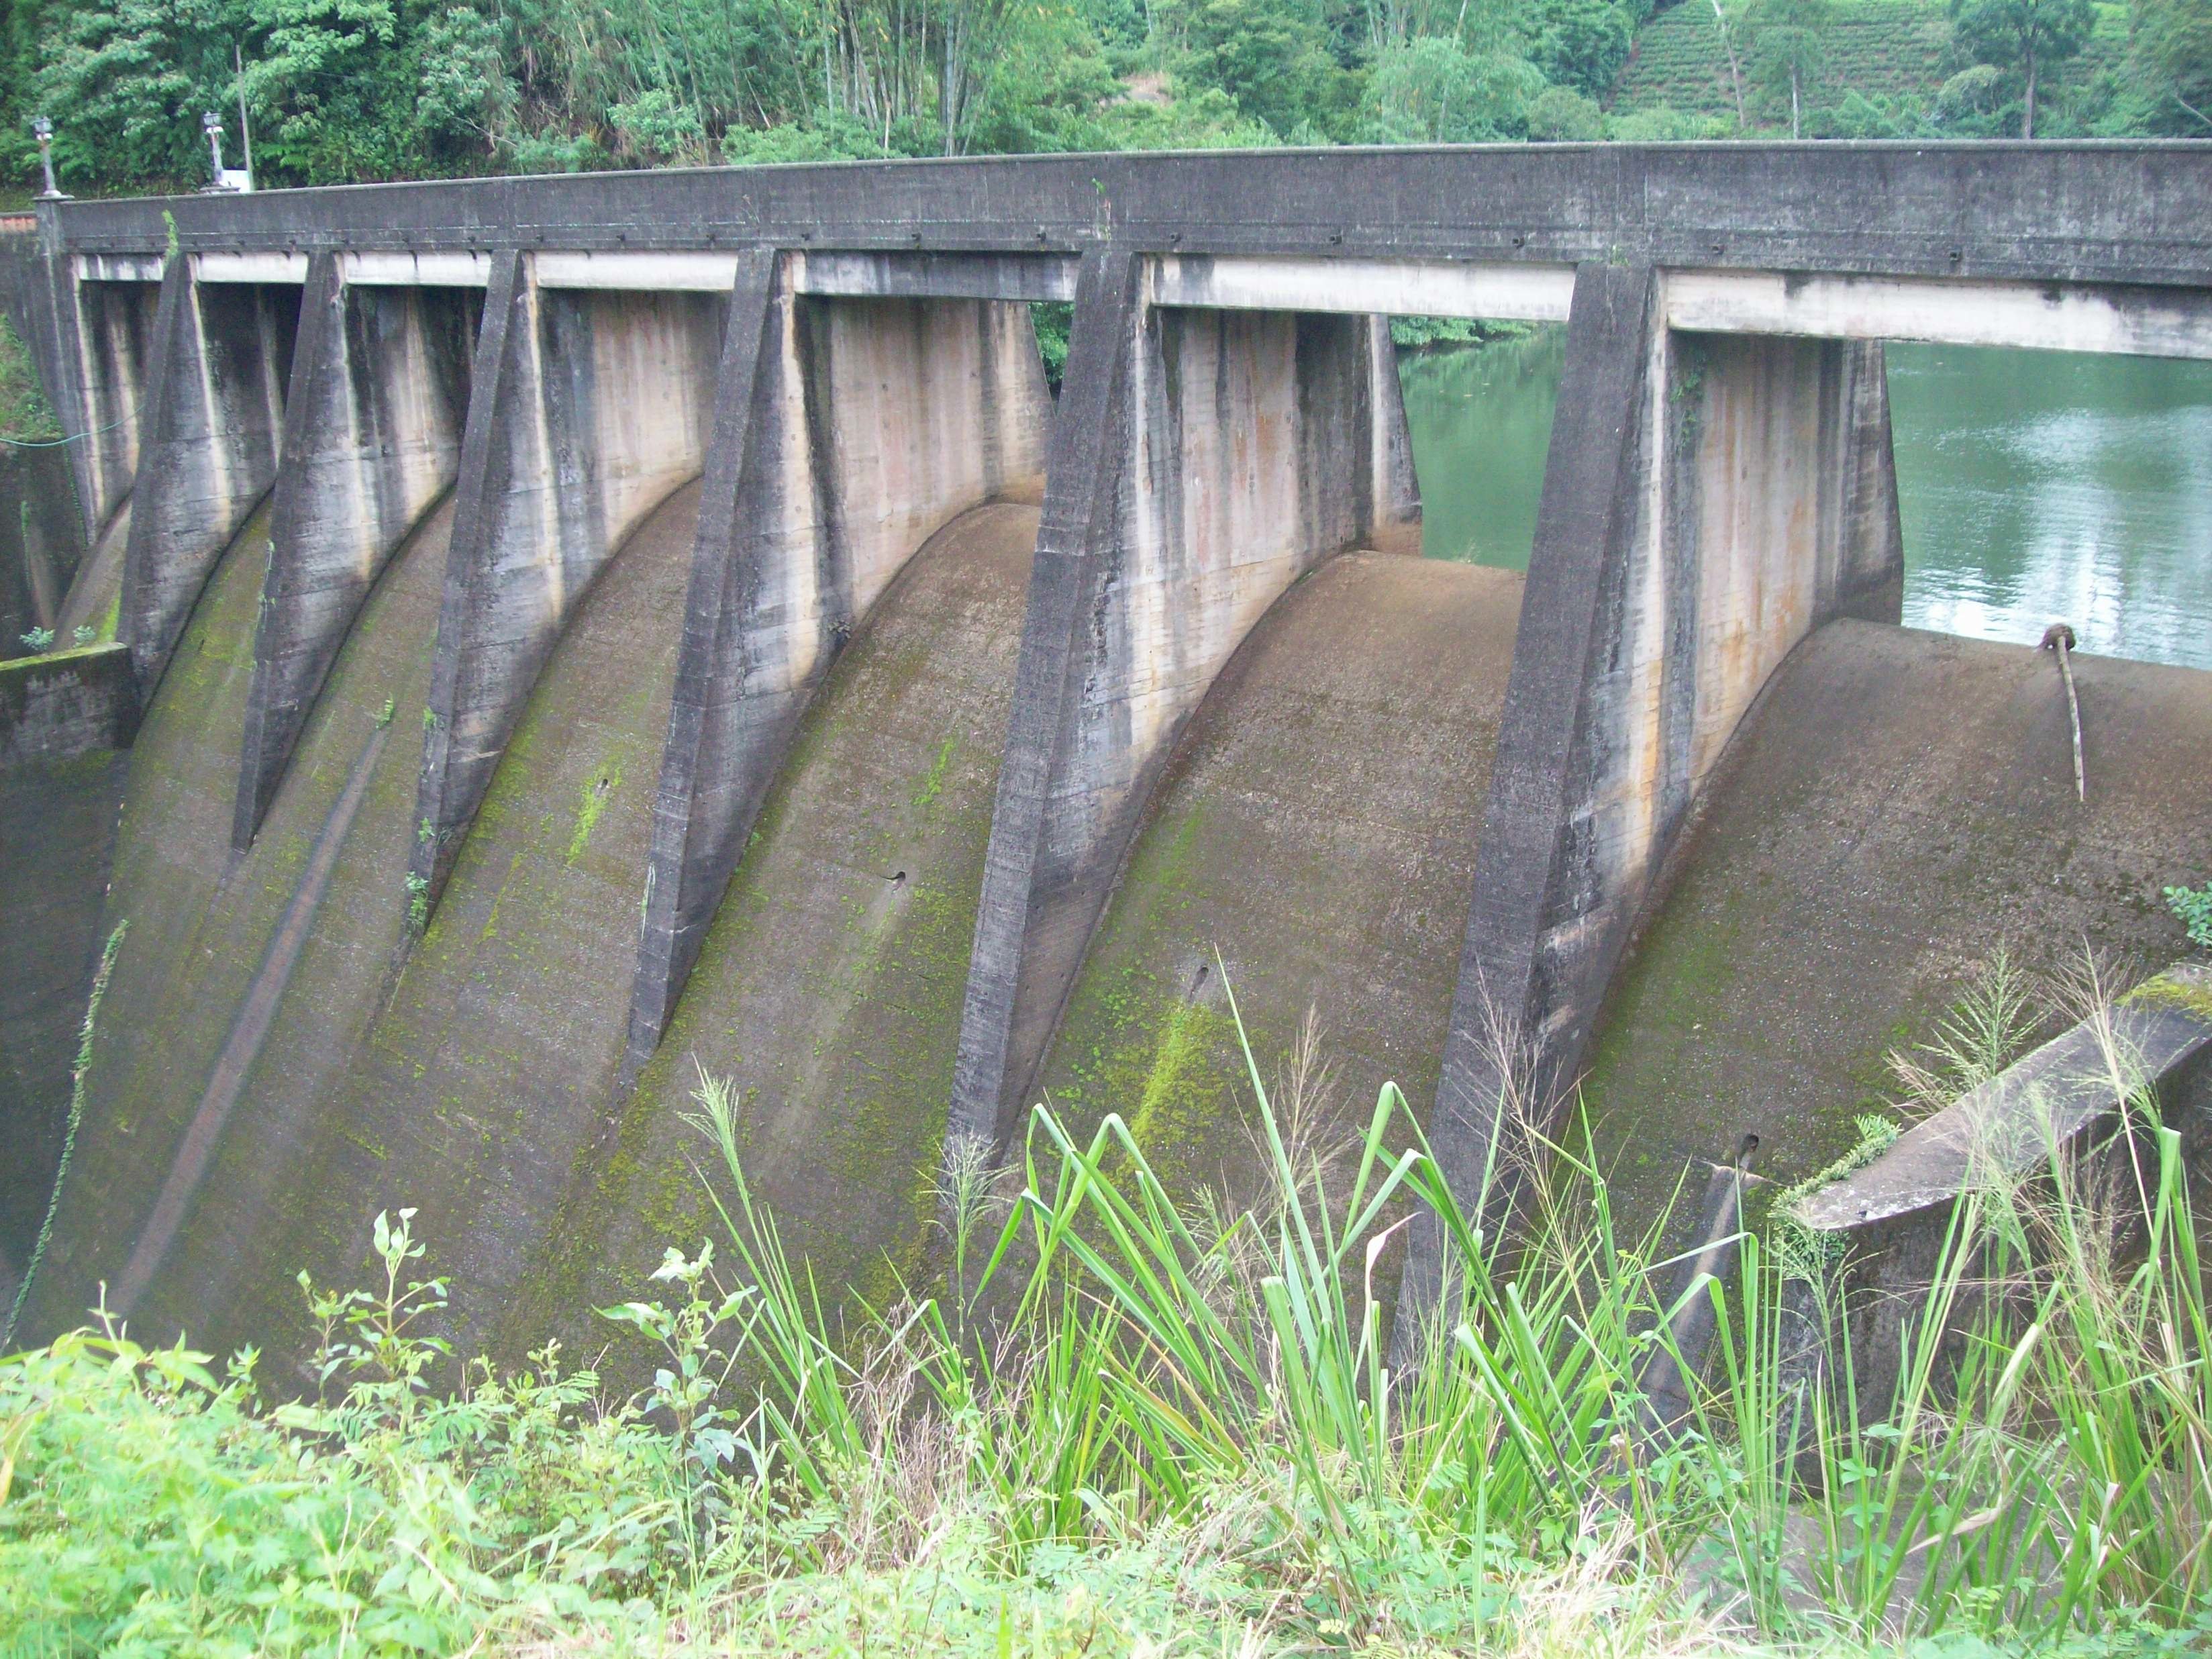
[[336, 90], [1886, 69]]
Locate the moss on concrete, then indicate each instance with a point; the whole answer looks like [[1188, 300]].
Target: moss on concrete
[[57, 828], [1317, 830], [1900, 805], [829, 987]]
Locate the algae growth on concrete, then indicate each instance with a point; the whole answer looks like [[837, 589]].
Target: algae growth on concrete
[[57, 835], [493, 1054], [830, 987], [1898, 806], [1316, 827], [229, 1016]]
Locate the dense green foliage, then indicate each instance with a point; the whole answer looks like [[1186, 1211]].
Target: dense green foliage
[[1134, 1425], [25, 415], [1925, 69], [339, 90]]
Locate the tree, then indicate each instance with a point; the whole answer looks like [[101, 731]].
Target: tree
[[1562, 115], [1789, 39], [128, 81], [2029, 36], [335, 100], [1583, 43], [2174, 50], [1271, 55], [1430, 92]]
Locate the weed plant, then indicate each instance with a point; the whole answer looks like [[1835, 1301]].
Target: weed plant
[[1150, 1429]]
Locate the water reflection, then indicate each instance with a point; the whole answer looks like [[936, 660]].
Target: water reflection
[[2034, 485], [2037, 486], [1481, 420]]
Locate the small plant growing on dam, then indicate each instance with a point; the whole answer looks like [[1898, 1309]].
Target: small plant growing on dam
[[418, 903], [384, 715], [1177, 1431], [38, 638], [2194, 906], [83, 635]]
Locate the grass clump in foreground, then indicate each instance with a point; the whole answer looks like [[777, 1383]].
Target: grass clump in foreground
[[1173, 1433]]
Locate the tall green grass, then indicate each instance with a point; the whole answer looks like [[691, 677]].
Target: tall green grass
[[1135, 1424]]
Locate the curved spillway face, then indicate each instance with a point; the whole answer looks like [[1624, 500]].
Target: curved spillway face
[[495, 1051], [1317, 828], [828, 988], [1898, 806], [239, 972]]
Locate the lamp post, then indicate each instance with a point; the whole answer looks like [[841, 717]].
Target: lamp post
[[211, 124], [43, 130]]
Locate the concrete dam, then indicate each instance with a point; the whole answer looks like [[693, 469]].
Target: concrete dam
[[550, 636]]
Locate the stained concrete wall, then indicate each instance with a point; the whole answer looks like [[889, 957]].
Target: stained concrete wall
[[65, 703], [57, 838], [829, 986], [846, 432], [1202, 461], [372, 438], [95, 345], [244, 980], [586, 410], [41, 543], [213, 425], [463, 1079]]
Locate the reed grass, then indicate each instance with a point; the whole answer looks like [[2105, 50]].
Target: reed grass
[[1132, 1425]]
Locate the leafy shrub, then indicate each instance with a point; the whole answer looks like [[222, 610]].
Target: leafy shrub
[[2194, 906], [1562, 115]]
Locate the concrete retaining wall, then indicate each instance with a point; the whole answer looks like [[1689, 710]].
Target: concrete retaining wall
[[66, 703], [1892, 1221]]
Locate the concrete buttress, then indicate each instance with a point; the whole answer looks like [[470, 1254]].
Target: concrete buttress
[[209, 449], [587, 409], [1203, 461], [1708, 501], [372, 439], [847, 431]]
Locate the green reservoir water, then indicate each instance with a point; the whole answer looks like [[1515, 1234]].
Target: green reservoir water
[[2035, 486]]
